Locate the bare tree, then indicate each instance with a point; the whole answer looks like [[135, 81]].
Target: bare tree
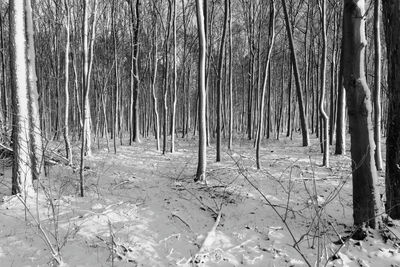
[[219, 81], [68, 150], [202, 163], [377, 82], [325, 136], [391, 11], [22, 171], [366, 202], [303, 119], [271, 39]]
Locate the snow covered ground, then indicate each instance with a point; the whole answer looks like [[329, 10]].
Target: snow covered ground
[[142, 208]]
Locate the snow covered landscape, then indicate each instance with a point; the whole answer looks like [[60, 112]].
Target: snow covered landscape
[[143, 209]]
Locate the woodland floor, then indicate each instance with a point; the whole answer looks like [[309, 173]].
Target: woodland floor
[[143, 209]]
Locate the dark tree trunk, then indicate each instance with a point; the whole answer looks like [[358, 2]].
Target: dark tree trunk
[[366, 202], [391, 11]]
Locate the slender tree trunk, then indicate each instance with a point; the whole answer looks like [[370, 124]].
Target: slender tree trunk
[[202, 163], [324, 115], [289, 118], [166, 81], [68, 149], [87, 64], [35, 131], [366, 202], [154, 80], [219, 81], [136, 45], [230, 79], [271, 38], [174, 83], [116, 91], [377, 82], [391, 19], [303, 119], [340, 148], [4, 95]]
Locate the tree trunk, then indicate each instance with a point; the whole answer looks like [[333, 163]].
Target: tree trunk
[[153, 84], [271, 38], [366, 202], [136, 25], [340, 147], [303, 119], [230, 79], [391, 10], [219, 82], [68, 149], [21, 171], [324, 116], [202, 163], [174, 83], [377, 82]]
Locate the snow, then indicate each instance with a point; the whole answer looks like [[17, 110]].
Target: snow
[[143, 209]]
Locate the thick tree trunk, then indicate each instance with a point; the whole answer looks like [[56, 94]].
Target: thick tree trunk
[[202, 163], [391, 11], [366, 202], [22, 171]]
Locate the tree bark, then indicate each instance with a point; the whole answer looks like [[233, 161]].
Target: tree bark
[[271, 38], [21, 171], [324, 115], [303, 119], [202, 163], [391, 11], [219, 82], [174, 82], [68, 150], [366, 202], [377, 82]]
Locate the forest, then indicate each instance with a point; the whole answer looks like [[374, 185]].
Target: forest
[[200, 133]]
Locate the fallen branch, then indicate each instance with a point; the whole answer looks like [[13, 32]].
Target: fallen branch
[[208, 240]]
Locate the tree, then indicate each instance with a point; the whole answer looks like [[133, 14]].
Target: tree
[[391, 9], [25, 133], [377, 83], [135, 69], [271, 38], [325, 136], [68, 149], [87, 58], [303, 119], [173, 115], [201, 80], [219, 82], [230, 80], [35, 132], [366, 202]]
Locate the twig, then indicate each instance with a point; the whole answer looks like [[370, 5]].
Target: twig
[[56, 256], [185, 223]]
